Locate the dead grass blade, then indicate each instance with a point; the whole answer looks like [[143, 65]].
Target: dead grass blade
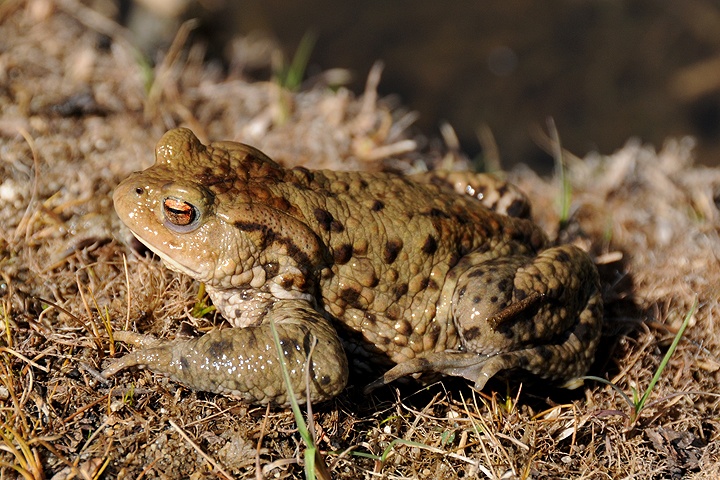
[[200, 451]]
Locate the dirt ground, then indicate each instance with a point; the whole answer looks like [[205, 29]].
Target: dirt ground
[[80, 110]]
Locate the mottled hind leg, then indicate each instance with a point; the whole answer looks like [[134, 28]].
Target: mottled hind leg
[[542, 315], [564, 359]]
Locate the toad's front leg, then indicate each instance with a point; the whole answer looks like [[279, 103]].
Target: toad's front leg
[[244, 362]]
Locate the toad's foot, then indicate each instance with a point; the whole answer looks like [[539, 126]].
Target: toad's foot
[[480, 368]]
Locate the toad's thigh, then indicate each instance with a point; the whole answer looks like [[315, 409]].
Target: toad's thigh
[[513, 302]]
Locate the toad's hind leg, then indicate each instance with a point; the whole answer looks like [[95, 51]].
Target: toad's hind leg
[[542, 315]]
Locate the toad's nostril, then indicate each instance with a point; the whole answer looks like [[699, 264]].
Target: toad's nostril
[[139, 190]]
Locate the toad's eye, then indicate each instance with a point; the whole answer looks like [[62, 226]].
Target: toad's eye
[[179, 214]]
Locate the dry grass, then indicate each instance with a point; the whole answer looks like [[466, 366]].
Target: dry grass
[[76, 117]]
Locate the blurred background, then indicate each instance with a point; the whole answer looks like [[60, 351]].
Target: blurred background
[[605, 70]]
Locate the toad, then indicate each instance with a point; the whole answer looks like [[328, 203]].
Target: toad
[[436, 273]]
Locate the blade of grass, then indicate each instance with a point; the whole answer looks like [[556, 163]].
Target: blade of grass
[[637, 403], [201, 307], [565, 187], [619, 390], [290, 77], [25, 455], [311, 453], [666, 359]]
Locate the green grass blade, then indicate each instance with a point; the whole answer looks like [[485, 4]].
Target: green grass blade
[[627, 399], [291, 76], [309, 441], [641, 403]]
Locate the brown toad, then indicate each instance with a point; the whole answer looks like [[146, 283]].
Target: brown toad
[[407, 271]]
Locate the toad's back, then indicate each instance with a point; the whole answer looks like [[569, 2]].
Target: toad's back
[[388, 244]]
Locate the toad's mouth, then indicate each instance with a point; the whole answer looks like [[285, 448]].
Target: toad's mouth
[[169, 262]]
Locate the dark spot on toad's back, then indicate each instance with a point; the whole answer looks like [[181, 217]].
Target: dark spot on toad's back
[[437, 213], [371, 318], [518, 208], [343, 253], [281, 204], [433, 334], [271, 269], [476, 272], [430, 246], [562, 256], [373, 281], [393, 312], [391, 251], [289, 345], [399, 291], [250, 226], [471, 333], [184, 362], [403, 327], [304, 175], [327, 221], [545, 353], [351, 297]]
